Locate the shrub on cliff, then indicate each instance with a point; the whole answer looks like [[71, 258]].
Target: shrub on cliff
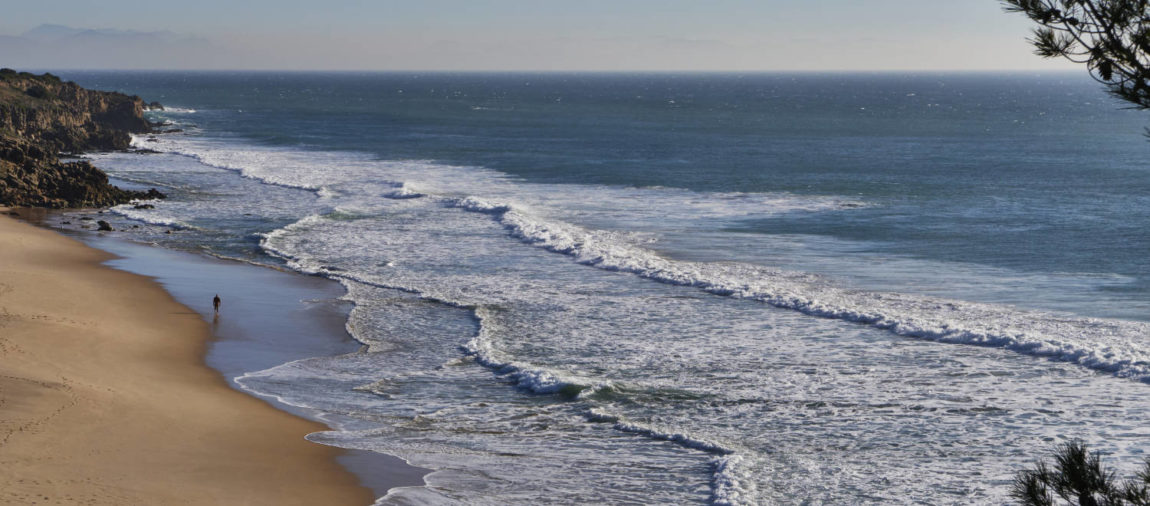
[[1078, 478], [38, 91]]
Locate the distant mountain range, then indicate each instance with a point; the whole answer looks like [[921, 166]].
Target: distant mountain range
[[63, 47]]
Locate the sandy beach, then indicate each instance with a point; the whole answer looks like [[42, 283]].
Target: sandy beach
[[105, 399]]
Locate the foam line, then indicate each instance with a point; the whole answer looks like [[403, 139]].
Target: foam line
[[731, 484], [151, 216], [1112, 346]]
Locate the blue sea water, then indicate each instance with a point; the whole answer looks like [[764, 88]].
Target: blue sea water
[[680, 288]]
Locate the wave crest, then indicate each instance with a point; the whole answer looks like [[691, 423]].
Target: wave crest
[[1112, 346]]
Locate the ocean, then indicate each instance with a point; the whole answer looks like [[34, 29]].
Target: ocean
[[682, 288]]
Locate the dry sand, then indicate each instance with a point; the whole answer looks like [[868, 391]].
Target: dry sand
[[104, 397]]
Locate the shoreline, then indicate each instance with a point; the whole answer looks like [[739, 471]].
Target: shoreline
[[107, 399], [269, 317]]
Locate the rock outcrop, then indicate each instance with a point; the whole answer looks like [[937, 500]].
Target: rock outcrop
[[42, 117]]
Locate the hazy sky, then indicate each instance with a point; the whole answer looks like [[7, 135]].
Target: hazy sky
[[529, 35]]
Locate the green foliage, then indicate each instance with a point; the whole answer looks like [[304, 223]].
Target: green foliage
[[1079, 478], [38, 91], [1112, 37], [7, 74]]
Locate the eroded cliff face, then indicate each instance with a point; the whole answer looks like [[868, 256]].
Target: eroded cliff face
[[42, 117]]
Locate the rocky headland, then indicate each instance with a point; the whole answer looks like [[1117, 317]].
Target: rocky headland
[[42, 118]]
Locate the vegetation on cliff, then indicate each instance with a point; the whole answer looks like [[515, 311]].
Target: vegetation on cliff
[[42, 117]]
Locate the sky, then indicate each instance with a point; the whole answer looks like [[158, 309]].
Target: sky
[[537, 35]]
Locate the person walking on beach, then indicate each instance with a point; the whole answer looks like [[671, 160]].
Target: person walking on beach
[[216, 303]]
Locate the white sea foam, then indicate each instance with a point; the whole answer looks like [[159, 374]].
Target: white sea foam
[[1112, 346], [483, 350], [403, 192], [660, 434], [525, 376], [730, 483], [374, 232], [294, 169], [151, 216], [139, 140], [296, 261], [322, 171], [539, 216], [478, 205]]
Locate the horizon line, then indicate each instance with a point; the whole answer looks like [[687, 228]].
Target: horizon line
[[566, 71]]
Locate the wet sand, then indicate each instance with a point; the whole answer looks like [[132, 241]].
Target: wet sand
[[105, 397], [268, 317]]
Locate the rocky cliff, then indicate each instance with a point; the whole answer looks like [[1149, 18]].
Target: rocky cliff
[[42, 117]]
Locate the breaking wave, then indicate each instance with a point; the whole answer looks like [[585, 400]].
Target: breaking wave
[[1105, 345]]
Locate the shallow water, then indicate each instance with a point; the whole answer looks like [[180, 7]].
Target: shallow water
[[269, 317]]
